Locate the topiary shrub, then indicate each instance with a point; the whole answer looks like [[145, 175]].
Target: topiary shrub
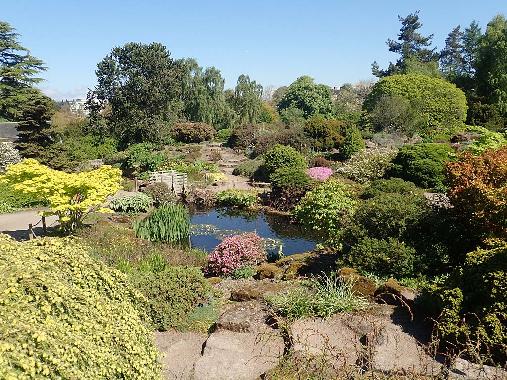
[[441, 103], [385, 257], [66, 315], [471, 306], [422, 164], [288, 186], [192, 132], [160, 193], [170, 222], [235, 252], [367, 165], [391, 186], [282, 156], [237, 198], [326, 208], [132, 204]]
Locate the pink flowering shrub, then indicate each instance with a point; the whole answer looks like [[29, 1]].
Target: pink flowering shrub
[[235, 252], [320, 173]]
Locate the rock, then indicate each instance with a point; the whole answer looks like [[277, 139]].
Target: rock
[[392, 293], [252, 289], [244, 317], [267, 270], [361, 285], [180, 351], [464, 370], [239, 356], [246, 293], [214, 280]]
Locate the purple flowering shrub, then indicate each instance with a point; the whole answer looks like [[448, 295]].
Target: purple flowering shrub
[[320, 173], [235, 252]]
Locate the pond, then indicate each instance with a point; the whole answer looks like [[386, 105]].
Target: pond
[[210, 227]]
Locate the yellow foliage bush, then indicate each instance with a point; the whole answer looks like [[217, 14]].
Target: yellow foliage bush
[[65, 315], [70, 195]]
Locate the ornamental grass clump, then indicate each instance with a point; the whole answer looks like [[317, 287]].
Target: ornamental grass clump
[[65, 315], [235, 252], [169, 223], [320, 173]]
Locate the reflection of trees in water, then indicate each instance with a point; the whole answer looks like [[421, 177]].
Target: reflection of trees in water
[[248, 215], [284, 228]]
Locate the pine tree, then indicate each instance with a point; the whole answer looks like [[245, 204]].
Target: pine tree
[[18, 71], [452, 61]]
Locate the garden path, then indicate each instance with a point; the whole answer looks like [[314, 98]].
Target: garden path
[[16, 224]]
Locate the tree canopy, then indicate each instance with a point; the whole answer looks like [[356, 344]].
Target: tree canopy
[[309, 97]]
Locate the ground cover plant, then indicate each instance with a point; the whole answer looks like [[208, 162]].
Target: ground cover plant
[[132, 203], [43, 298], [236, 198]]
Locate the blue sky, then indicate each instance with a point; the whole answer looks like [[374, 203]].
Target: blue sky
[[272, 41]]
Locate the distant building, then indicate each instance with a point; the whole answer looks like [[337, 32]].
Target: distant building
[[78, 107]]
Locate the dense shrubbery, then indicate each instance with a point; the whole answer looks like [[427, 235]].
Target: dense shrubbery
[[66, 315], [392, 186], [282, 156], [471, 305], [235, 252], [326, 208], [477, 188], [484, 140], [249, 168], [367, 165], [288, 186], [386, 257], [159, 192], [324, 134], [441, 103], [12, 200], [192, 132], [352, 141], [170, 222], [142, 158], [237, 198], [423, 164]]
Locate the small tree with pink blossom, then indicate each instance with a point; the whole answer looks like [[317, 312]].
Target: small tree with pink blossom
[[235, 252], [320, 173]]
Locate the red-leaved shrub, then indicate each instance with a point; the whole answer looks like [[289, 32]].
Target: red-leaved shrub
[[235, 252]]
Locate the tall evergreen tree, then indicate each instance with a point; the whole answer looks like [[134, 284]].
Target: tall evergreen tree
[[413, 48], [452, 62], [18, 71], [247, 99], [471, 40]]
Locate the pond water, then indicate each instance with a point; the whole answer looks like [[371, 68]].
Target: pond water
[[210, 227]]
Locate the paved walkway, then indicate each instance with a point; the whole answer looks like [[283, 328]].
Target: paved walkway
[[16, 223]]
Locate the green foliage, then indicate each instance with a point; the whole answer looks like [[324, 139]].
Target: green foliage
[[159, 192], [246, 100], [223, 134], [123, 75], [471, 305], [288, 186], [439, 102], [326, 208], [170, 223], [392, 186], [423, 164], [143, 158], [66, 315], [367, 165], [248, 168], [246, 271], [311, 98], [18, 72], [237, 198], [352, 141], [387, 257], [281, 156], [485, 140], [12, 200], [172, 292], [325, 134], [192, 132], [132, 203], [318, 297]]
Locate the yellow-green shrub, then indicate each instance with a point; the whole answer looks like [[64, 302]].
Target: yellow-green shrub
[[64, 315], [70, 195]]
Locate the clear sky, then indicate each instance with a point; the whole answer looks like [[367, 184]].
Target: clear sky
[[273, 41]]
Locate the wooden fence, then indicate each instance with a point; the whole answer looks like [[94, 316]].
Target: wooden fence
[[177, 182]]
